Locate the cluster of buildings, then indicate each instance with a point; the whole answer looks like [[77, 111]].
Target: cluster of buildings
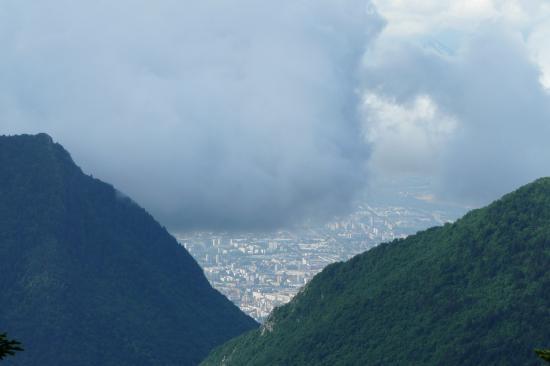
[[261, 271]]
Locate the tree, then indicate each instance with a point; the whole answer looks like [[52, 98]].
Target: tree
[[544, 354], [8, 347]]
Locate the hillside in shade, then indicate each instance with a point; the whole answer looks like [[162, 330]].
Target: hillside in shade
[[476, 292], [87, 277]]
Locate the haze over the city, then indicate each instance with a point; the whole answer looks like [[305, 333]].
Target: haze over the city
[[253, 115]]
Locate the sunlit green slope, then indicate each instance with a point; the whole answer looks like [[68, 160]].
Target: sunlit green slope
[[476, 292]]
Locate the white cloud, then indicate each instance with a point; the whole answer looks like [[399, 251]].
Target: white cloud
[[452, 23], [406, 138], [538, 42], [424, 17]]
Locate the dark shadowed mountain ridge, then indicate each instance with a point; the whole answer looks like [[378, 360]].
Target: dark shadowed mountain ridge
[[475, 292], [87, 277]]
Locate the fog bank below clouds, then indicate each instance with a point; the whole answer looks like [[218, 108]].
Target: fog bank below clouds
[[210, 114]]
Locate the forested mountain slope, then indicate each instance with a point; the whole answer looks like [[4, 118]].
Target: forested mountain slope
[[87, 277], [476, 292]]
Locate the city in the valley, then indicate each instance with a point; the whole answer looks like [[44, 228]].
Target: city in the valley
[[261, 271]]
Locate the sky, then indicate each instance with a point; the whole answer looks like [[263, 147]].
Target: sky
[[254, 115]]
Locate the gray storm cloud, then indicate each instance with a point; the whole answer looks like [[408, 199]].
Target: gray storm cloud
[[489, 88], [211, 114], [248, 114]]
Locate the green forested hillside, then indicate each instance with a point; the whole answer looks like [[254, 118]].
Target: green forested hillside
[[87, 277], [476, 292]]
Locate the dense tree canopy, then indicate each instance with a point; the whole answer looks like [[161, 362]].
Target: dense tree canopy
[[8, 347], [544, 354]]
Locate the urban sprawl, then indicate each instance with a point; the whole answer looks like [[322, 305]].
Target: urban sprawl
[[261, 271]]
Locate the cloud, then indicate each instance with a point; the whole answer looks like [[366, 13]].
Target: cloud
[[489, 85], [249, 114], [429, 17], [540, 52], [211, 114], [405, 138]]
